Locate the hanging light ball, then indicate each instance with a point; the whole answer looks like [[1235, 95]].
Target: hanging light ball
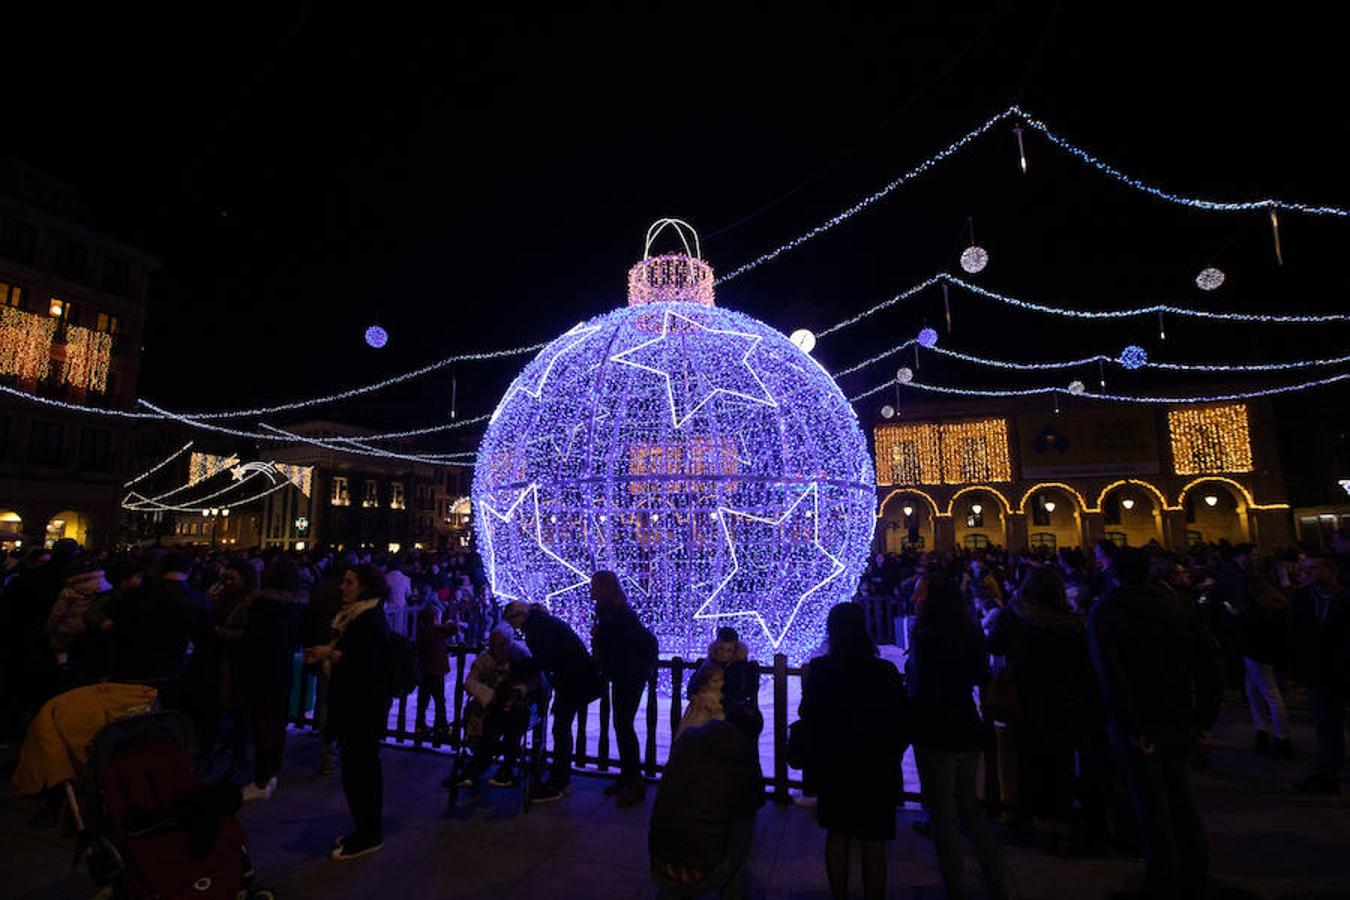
[[904, 374], [907, 510], [976, 508], [1049, 505], [1134, 357], [376, 337], [1211, 500], [1209, 279], [974, 258], [804, 340], [928, 337], [1128, 503], [1076, 387], [888, 412]]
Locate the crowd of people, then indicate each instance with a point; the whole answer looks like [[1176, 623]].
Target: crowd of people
[[1087, 683]]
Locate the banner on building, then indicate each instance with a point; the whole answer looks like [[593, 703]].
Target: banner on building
[[1088, 442]]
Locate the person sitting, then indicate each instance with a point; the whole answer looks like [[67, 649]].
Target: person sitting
[[704, 814], [502, 682], [725, 678]]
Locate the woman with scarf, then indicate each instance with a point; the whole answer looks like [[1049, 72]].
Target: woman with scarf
[[358, 702]]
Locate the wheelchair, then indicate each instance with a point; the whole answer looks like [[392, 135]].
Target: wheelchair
[[530, 754]]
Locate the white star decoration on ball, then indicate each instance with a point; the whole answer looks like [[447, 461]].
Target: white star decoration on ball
[[813, 564], [548, 569], [578, 335], [653, 356]]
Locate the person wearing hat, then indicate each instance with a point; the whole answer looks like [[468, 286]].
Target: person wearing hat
[[80, 649]]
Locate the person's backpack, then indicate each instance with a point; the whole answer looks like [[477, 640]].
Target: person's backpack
[[402, 665]]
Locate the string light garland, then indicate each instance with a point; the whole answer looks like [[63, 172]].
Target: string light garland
[[967, 452], [159, 465], [170, 507], [1021, 118], [1209, 440], [88, 355], [25, 344], [1123, 398], [698, 454]]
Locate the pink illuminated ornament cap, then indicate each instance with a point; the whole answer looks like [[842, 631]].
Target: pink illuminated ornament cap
[[671, 277]]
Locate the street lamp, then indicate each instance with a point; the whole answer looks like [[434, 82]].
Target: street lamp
[[908, 510], [1211, 500], [1049, 506], [1128, 503]]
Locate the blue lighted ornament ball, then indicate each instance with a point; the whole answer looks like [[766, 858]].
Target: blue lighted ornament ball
[[376, 336], [698, 454], [1134, 357], [928, 337]]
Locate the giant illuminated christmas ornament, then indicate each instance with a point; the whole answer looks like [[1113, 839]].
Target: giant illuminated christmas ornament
[[696, 452]]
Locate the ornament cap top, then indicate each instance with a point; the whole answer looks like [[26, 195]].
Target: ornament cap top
[[671, 277]]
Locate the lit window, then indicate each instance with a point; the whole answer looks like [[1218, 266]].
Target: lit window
[[943, 453], [338, 493], [1210, 439], [371, 499], [10, 294], [109, 324], [396, 499]]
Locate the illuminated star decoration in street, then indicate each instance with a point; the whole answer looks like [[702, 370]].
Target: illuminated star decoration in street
[[742, 380], [238, 472], [803, 564], [569, 341], [547, 574]]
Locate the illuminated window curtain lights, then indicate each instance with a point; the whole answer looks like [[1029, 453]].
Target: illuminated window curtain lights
[[908, 454], [88, 354], [25, 344], [1210, 439], [975, 451]]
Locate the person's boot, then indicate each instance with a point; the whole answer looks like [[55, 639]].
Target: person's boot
[[1282, 748], [1262, 743]]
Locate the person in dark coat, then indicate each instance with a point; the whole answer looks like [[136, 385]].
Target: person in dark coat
[[359, 694], [154, 625], [853, 705], [1321, 634], [1161, 684], [325, 600], [267, 657], [1046, 646], [947, 660], [625, 653], [1265, 648], [704, 814], [563, 659]]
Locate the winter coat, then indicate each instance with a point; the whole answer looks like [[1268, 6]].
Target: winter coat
[[1047, 653], [713, 777], [624, 648], [358, 692], [1265, 625], [715, 685], [940, 673], [1157, 669], [1322, 648], [433, 657], [267, 648], [859, 722], [561, 655], [153, 626]]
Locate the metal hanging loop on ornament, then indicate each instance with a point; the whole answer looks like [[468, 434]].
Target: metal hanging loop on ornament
[[680, 226]]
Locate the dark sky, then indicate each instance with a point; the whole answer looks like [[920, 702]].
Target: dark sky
[[483, 178]]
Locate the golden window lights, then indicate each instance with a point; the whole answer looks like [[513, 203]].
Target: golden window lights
[[943, 452], [337, 493], [397, 499], [109, 324], [371, 500], [11, 295], [88, 354], [1210, 439], [25, 344]]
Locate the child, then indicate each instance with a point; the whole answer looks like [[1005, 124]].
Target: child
[[433, 658], [726, 675]]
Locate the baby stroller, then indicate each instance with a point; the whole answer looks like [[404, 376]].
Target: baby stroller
[[155, 830]]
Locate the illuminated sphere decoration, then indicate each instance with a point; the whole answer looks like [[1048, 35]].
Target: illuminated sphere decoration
[[888, 412], [1209, 279], [804, 340], [974, 258], [1134, 357], [928, 337], [1076, 387], [376, 337], [694, 451], [904, 374]]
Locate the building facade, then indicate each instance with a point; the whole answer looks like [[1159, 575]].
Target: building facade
[[1020, 474], [72, 312]]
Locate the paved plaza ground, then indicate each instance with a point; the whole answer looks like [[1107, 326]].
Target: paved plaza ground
[[1266, 841]]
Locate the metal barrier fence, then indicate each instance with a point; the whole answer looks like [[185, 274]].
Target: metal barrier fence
[[778, 778]]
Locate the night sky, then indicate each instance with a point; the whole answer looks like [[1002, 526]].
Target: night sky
[[484, 178]]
